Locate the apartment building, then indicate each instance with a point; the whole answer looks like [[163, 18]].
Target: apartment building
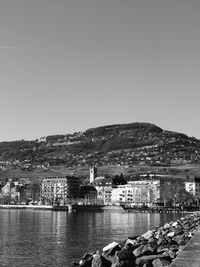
[[60, 189], [137, 193]]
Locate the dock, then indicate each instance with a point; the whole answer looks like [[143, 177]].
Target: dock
[[161, 209], [190, 255], [66, 207], [38, 207]]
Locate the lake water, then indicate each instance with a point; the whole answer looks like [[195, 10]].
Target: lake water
[[46, 238]]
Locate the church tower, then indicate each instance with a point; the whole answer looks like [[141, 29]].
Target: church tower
[[93, 173]]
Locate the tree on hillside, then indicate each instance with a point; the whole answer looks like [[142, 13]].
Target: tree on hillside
[[118, 180]]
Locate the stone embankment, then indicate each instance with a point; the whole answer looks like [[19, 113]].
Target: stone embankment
[[155, 248]]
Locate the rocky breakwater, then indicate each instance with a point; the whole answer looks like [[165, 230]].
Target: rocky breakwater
[[155, 248]]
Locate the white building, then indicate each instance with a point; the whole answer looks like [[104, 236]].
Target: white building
[[190, 187], [193, 187], [137, 193], [104, 189]]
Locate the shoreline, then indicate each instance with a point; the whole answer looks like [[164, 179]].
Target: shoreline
[[42, 207], [158, 247]]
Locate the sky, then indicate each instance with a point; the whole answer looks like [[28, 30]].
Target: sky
[[70, 65]]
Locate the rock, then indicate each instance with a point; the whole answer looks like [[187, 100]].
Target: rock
[[142, 241], [143, 249], [170, 253], [184, 241], [99, 261], [126, 255], [147, 235], [131, 245], [160, 240], [130, 241], [153, 240], [161, 263], [86, 260], [174, 224], [171, 234], [147, 259], [111, 251], [155, 248], [178, 230], [110, 246], [85, 263], [133, 237], [114, 260], [178, 238], [166, 226]]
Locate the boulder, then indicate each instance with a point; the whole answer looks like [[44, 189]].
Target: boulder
[[178, 238], [155, 248], [143, 250], [170, 234], [131, 241], [111, 251], [126, 255], [166, 226], [110, 246], [147, 259], [174, 224], [170, 253], [86, 260], [161, 263], [134, 237], [147, 235], [160, 240], [178, 230], [99, 261], [114, 259], [131, 245]]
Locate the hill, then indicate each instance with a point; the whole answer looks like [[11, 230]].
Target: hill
[[121, 145]]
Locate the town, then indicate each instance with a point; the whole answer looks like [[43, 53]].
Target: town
[[149, 190]]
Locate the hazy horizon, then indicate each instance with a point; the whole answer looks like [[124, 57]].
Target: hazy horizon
[[67, 66]]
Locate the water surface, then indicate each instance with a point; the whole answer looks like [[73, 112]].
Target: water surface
[[47, 238]]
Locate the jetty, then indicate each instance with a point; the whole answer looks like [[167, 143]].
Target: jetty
[[190, 255]]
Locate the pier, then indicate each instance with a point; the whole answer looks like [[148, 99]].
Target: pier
[[190, 255], [161, 209]]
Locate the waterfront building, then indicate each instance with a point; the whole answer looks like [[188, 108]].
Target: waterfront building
[[193, 186], [88, 192], [141, 192], [190, 187], [10, 191], [60, 189], [104, 189]]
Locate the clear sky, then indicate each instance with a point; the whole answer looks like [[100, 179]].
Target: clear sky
[[69, 65]]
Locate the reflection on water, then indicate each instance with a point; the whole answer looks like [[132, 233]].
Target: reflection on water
[[46, 238]]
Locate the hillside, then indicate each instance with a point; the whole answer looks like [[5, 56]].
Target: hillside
[[122, 145]]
